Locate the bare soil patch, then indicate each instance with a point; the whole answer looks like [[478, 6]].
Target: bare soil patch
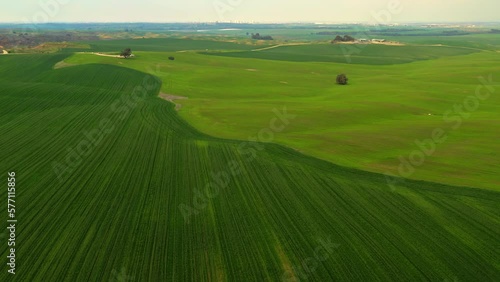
[[107, 55], [172, 98], [389, 43], [101, 54]]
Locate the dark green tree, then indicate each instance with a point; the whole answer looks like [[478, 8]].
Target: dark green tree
[[126, 53], [348, 38], [342, 79]]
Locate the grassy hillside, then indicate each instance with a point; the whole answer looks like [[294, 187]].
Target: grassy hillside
[[355, 54], [162, 45], [368, 124], [477, 41], [121, 209]]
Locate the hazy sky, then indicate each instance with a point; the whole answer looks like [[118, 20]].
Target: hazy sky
[[250, 10]]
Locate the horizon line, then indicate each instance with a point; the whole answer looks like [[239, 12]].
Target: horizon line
[[256, 22]]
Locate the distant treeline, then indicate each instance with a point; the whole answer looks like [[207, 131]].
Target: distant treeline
[[25, 39], [166, 26], [346, 38], [396, 29], [379, 33], [495, 31]]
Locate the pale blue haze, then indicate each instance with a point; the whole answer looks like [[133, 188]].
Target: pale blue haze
[[249, 11]]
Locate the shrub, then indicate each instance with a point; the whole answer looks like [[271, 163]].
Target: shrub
[[342, 79]]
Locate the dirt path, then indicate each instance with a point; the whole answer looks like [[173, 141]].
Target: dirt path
[[101, 54], [106, 55], [387, 43], [280, 45], [172, 98]]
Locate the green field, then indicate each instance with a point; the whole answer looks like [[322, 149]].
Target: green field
[[165, 44], [367, 125], [113, 184], [356, 54]]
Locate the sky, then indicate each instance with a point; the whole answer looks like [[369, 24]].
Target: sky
[[324, 11]]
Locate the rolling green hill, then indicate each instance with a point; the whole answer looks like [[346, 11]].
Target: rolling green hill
[[355, 53], [162, 45], [114, 185], [368, 124]]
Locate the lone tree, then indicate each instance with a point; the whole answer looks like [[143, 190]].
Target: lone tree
[[171, 58], [342, 79], [126, 53]]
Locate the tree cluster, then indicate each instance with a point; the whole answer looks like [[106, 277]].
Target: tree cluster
[[346, 38], [260, 37]]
